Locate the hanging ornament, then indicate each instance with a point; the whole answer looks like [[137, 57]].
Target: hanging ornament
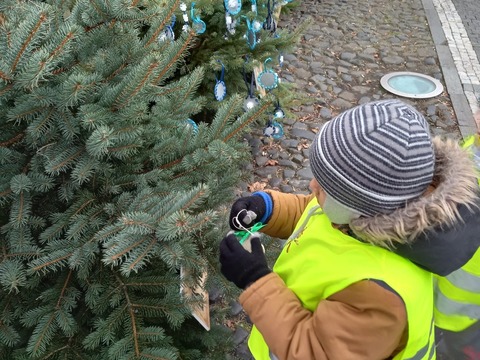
[[250, 35], [185, 26], [270, 24], [250, 101], [267, 79], [198, 25], [254, 6], [233, 6], [256, 25], [220, 90], [192, 126], [273, 129], [230, 22], [167, 33], [278, 112]]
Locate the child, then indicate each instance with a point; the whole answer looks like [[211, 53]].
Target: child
[[337, 290]]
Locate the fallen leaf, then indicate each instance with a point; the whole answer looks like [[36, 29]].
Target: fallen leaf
[[271, 162], [256, 186]]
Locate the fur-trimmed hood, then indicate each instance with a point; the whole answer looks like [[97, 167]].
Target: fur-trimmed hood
[[439, 231]]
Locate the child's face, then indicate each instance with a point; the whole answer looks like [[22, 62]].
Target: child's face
[[318, 191]]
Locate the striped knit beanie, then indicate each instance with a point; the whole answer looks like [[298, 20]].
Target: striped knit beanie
[[375, 157]]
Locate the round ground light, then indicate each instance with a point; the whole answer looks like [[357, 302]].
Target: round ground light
[[411, 85]]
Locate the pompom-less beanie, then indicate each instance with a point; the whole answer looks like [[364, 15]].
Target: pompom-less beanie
[[375, 157]]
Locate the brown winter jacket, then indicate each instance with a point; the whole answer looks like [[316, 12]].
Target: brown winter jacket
[[366, 320]]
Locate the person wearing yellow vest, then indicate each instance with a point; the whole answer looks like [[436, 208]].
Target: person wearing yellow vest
[[457, 288], [337, 290]]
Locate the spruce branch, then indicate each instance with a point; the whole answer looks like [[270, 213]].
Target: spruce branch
[[251, 118], [6, 89], [12, 275], [8, 335], [187, 42], [42, 18], [160, 27], [105, 328], [48, 324], [18, 114], [133, 317], [55, 261], [5, 77], [63, 160], [123, 99], [20, 209]]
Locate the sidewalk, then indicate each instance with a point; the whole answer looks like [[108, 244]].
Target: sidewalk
[[338, 64], [455, 31]]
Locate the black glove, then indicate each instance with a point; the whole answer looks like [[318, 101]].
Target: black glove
[[239, 212], [240, 266]]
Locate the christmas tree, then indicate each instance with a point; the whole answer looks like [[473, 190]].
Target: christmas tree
[[239, 38], [109, 191]]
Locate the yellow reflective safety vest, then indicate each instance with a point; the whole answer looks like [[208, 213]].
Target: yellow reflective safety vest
[[319, 261], [457, 295]]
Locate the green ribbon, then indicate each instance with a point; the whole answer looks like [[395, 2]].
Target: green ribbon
[[243, 234]]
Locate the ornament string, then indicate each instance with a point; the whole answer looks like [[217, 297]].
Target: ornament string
[[245, 232], [250, 86]]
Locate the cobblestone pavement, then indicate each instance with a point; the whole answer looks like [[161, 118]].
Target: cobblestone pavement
[[338, 64]]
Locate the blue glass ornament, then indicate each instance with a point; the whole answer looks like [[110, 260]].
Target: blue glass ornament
[[233, 6], [278, 113], [198, 25], [190, 124]]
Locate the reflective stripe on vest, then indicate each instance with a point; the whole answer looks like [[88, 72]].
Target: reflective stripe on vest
[[423, 351], [457, 296], [465, 280], [324, 261], [450, 307]]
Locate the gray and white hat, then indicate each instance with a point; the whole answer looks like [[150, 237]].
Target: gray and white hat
[[375, 157]]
